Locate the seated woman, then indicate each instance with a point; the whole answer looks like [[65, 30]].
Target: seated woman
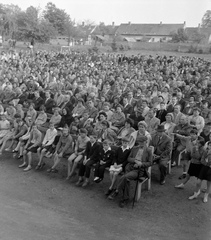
[[106, 133], [42, 117], [31, 114], [142, 126], [101, 117], [77, 156], [1, 109], [79, 108], [119, 163], [169, 125], [23, 140], [125, 131], [10, 114], [19, 110], [118, 118], [55, 119], [4, 126], [66, 118], [64, 149], [20, 130]]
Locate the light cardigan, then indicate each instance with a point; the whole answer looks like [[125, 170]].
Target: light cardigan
[[49, 137], [41, 118], [133, 138]]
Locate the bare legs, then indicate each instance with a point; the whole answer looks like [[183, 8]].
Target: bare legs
[[72, 163]]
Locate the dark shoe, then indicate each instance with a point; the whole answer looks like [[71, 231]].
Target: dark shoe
[[183, 176], [113, 195], [162, 182], [99, 180], [20, 156], [14, 151], [79, 182], [123, 203], [85, 184], [109, 192], [53, 170]]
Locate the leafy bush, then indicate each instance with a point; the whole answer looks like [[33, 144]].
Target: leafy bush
[[200, 51], [192, 49]]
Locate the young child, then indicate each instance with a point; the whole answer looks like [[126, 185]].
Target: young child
[[119, 163], [205, 174], [78, 155], [105, 159]]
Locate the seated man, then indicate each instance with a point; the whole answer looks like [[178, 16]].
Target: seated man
[[91, 156], [106, 156], [140, 159], [63, 149], [152, 121], [162, 150], [47, 142], [32, 145]]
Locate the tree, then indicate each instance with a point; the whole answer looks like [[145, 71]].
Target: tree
[[179, 36], [197, 37], [206, 19], [59, 19]]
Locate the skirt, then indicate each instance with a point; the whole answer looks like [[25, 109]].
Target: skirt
[[34, 149], [194, 169], [205, 173], [117, 170]]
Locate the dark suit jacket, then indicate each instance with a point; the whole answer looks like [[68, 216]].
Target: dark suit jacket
[[106, 156], [38, 102], [67, 105], [182, 103], [128, 109], [147, 157], [22, 98], [49, 105], [162, 147], [170, 108], [92, 152], [161, 114]]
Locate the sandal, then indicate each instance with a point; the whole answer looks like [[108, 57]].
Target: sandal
[[42, 165], [37, 167], [53, 170]]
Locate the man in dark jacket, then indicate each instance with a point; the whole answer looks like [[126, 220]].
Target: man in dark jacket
[[140, 159]]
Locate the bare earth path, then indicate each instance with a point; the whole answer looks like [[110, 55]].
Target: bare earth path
[[36, 205]]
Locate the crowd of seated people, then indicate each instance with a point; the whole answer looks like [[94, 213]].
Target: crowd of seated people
[[107, 111]]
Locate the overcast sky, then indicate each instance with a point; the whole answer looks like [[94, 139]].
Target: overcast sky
[[123, 11]]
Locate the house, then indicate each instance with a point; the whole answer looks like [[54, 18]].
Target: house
[[199, 34], [104, 33], [148, 32]]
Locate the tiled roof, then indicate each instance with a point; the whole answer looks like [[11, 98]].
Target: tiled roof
[[148, 29]]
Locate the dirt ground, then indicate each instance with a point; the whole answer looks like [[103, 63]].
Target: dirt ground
[[38, 205]]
